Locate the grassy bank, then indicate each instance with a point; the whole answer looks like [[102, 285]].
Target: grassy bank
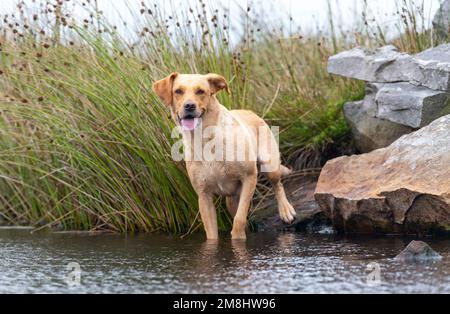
[[85, 144]]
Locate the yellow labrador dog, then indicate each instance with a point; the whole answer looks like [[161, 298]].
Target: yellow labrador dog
[[243, 141]]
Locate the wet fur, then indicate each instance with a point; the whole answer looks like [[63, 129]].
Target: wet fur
[[234, 180]]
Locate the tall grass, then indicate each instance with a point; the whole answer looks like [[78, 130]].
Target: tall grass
[[84, 142]]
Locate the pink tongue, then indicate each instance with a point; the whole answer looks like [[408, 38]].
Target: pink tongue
[[189, 124]]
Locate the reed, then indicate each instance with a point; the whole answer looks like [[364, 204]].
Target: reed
[[84, 142]]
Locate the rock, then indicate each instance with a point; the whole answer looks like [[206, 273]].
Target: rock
[[371, 133], [310, 218], [387, 65], [418, 251], [403, 104], [411, 105], [405, 92], [357, 63], [403, 188], [366, 65], [433, 68], [439, 53], [441, 22]]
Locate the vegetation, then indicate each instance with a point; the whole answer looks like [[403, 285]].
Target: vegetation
[[84, 142]]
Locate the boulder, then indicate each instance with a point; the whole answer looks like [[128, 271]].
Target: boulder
[[418, 251], [441, 22], [369, 132], [310, 218], [403, 92], [403, 104], [433, 68], [364, 64], [411, 105], [403, 188], [439, 53], [387, 65]]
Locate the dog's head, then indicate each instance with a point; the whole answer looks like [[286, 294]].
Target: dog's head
[[189, 96]]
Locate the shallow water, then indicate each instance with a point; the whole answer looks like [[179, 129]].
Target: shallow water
[[266, 263]]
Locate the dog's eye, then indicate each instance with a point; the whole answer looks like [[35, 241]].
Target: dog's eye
[[179, 92], [200, 92]]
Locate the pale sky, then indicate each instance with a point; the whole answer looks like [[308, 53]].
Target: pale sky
[[308, 14]]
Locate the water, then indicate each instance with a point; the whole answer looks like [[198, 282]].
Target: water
[[267, 263]]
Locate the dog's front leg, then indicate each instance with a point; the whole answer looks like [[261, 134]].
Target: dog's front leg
[[209, 216], [240, 220]]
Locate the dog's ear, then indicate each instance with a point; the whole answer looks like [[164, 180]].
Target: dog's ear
[[163, 88], [217, 83]]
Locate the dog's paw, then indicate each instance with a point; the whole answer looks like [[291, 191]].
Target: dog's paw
[[287, 213]]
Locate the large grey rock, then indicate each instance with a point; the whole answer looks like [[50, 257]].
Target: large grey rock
[[441, 22], [411, 105], [418, 251], [440, 53], [433, 68], [367, 65], [387, 65], [371, 133], [403, 188]]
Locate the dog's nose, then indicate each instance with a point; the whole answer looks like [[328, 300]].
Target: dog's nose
[[190, 107]]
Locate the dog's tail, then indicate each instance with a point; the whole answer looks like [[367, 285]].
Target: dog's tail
[[285, 171]]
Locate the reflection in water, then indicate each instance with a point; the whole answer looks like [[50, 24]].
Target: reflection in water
[[206, 259], [265, 263], [240, 251], [286, 243]]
